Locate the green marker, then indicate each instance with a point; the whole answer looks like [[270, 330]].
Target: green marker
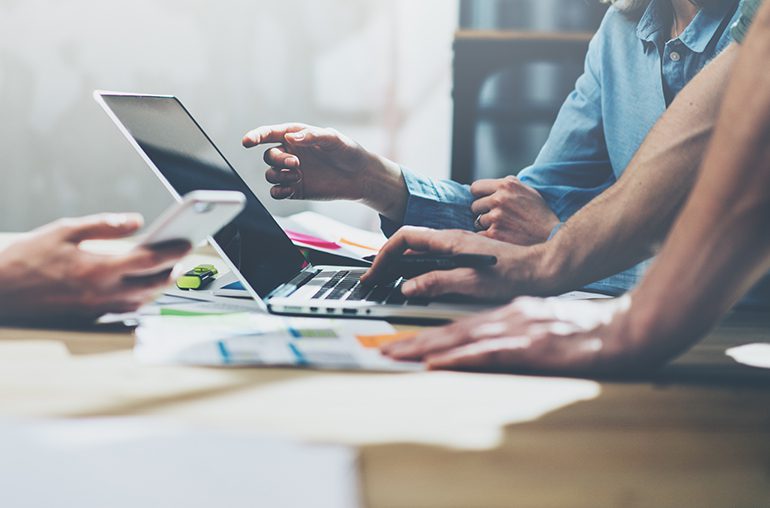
[[197, 278]]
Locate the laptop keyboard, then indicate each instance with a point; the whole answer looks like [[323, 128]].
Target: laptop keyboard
[[331, 284], [346, 286]]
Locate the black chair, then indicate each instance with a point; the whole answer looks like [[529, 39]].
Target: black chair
[[481, 55]]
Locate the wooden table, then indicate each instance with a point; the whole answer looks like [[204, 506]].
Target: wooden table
[[697, 434]]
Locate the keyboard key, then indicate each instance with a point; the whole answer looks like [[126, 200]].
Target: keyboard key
[[338, 292], [360, 292], [330, 284], [396, 298], [380, 293]]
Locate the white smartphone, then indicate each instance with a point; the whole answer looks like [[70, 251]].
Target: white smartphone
[[199, 215]]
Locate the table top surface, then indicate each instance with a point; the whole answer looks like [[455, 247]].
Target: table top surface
[[697, 433]]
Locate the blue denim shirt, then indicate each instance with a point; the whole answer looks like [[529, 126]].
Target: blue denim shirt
[[632, 73]]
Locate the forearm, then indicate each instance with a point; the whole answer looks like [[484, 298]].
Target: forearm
[[720, 246], [12, 281], [382, 187], [624, 225]]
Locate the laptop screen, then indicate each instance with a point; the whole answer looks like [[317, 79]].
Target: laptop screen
[[188, 161]]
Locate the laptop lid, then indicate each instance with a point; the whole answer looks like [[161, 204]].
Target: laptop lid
[[185, 159]]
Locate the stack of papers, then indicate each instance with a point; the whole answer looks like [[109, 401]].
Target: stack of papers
[[256, 339]]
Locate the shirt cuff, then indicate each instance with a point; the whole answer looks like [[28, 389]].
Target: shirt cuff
[[435, 204]]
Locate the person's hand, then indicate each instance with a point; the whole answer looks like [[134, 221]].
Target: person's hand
[[509, 211], [323, 164], [532, 334], [48, 276], [517, 272]]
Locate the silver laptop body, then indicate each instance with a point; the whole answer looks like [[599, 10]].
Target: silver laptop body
[[270, 267]]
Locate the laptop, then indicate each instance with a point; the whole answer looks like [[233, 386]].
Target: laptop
[[270, 267]]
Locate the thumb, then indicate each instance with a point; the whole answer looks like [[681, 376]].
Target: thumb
[[101, 227]]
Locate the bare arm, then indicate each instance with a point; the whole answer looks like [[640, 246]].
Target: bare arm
[[718, 248], [626, 223]]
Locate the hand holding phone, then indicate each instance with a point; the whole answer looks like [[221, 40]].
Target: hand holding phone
[[199, 215]]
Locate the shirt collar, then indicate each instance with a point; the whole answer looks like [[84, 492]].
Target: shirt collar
[[696, 36], [652, 21]]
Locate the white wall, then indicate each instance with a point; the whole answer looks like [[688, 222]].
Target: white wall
[[376, 69]]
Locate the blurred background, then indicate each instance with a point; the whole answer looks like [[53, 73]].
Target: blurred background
[[382, 71]]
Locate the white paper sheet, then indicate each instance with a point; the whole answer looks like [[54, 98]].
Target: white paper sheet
[[139, 462], [753, 355]]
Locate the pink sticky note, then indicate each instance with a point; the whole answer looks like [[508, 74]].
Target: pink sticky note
[[312, 240]]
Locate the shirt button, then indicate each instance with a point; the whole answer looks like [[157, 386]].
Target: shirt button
[[675, 56]]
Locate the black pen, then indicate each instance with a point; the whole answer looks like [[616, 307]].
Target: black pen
[[409, 266]]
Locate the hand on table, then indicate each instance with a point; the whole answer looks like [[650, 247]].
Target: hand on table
[[509, 211], [323, 164], [517, 270], [46, 275], [534, 334]]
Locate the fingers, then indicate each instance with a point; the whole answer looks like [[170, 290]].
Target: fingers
[[284, 173], [484, 326], [131, 292], [547, 354], [484, 205], [415, 238], [462, 281], [483, 222], [283, 176], [146, 260], [270, 134], [428, 342], [296, 134], [510, 353], [281, 192], [149, 282], [279, 158], [324, 139], [125, 301], [482, 188], [103, 226]]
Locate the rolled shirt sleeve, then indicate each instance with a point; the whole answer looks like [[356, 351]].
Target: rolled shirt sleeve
[[438, 204], [749, 10]]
